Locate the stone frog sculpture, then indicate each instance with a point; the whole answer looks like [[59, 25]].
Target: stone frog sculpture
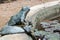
[[11, 28], [19, 18]]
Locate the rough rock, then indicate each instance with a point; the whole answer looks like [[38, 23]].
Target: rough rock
[[48, 35], [11, 30], [21, 36], [42, 12]]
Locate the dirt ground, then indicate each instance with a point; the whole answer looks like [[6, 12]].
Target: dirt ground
[[9, 9]]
